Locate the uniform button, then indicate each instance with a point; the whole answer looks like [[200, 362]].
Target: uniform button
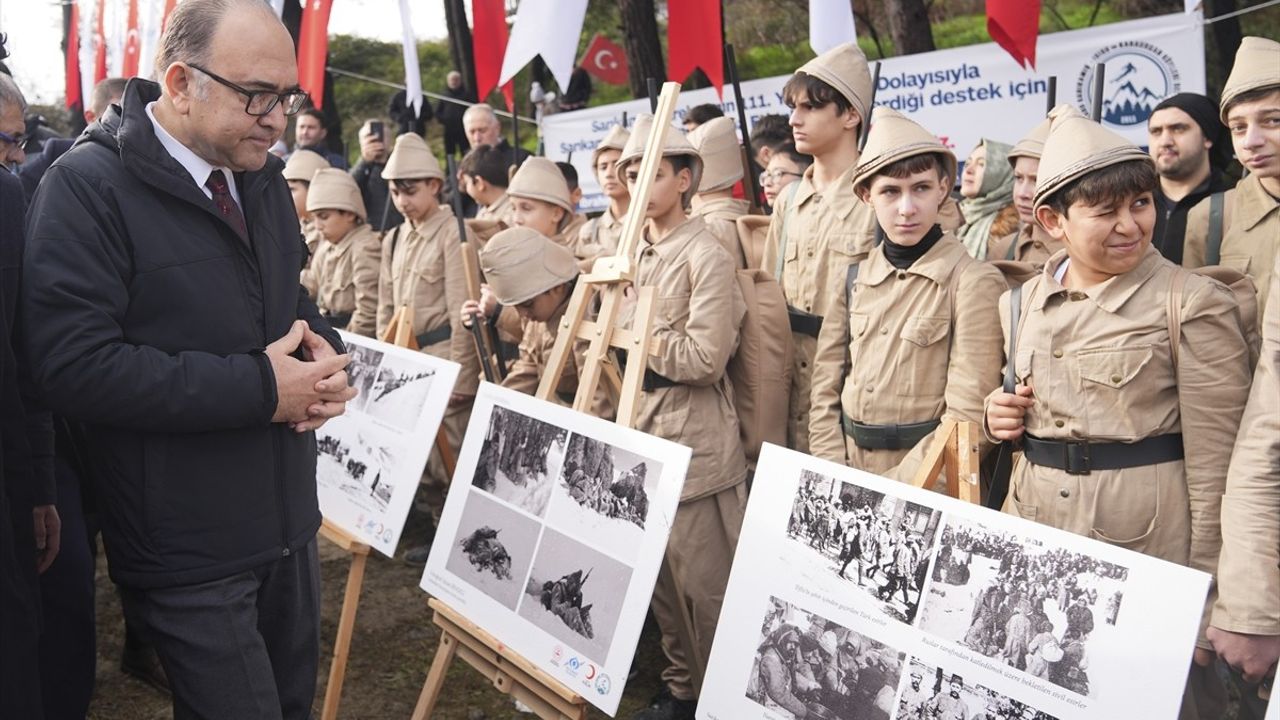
[[810, 253], [869, 388], [1057, 353], [1059, 423], [804, 364], [902, 275], [884, 331], [808, 308], [1064, 493], [1116, 379], [1038, 245], [1076, 296]]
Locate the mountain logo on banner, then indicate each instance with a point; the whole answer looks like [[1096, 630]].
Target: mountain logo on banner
[[1139, 75]]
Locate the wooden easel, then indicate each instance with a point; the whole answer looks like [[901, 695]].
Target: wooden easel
[[399, 332], [609, 278], [954, 449]]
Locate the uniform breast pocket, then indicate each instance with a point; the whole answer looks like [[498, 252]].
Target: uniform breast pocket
[[671, 311], [1236, 262], [1022, 365], [923, 356], [1110, 392]]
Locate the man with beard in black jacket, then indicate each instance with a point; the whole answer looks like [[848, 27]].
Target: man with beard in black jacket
[[163, 315]]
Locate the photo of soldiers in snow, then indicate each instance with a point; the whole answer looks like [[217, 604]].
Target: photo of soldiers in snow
[[485, 551], [493, 548], [398, 392], [809, 667], [935, 693], [519, 458], [1032, 608], [878, 544], [363, 371]]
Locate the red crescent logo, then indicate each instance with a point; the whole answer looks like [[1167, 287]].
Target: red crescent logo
[[591, 671]]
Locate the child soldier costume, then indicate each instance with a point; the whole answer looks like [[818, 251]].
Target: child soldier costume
[[300, 168], [717, 144], [1030, 244], [600, 235], [912, 337], [343, 275]]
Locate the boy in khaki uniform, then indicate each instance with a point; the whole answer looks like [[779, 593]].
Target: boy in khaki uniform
[[1124, 439], [298, 171], [915, 339], [600, 235], [540, 201], [717, 143], [343, 276], [1030, 244], [1250, 220], [483, 174], [687, 399], [422, 268]]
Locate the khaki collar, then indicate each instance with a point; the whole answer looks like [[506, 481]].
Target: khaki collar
[[1030, 233], [1254, 203], [937, 264], [432, 224], [839, 194], [608, 220], [674, 243], [1111, 294]]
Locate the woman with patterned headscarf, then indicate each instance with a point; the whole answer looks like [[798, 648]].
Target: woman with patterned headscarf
[[986, 189]]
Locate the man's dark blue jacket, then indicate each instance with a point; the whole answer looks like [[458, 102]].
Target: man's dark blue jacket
[[146, 316]]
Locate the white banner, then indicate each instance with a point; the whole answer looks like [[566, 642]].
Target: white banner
[[963, 94]]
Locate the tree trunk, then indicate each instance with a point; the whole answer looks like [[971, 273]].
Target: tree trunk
[[644, 50], [909, 26], [460, 49], [1227, 37]]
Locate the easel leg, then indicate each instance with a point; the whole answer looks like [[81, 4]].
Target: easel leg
[[342, 644], [435, 678], [446, 452]]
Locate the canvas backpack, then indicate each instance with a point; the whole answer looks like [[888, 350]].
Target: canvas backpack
[[760, 368]]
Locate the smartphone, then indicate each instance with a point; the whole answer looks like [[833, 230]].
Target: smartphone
[[376, 128]]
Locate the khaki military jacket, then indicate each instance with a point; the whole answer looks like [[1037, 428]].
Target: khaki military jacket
[[1249, 569], [913, 345], [1102, 370], [721, 215], [499, 210], [536, 343], [825, 233], [1031, 244], [572, 232], [310, 236], [601, 235], [698, 315], [342, 278], [1250, 234], [422, 267]]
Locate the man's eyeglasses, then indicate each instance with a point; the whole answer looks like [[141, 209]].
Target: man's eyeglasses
[[772, 176], [262, 102], [20, 139]]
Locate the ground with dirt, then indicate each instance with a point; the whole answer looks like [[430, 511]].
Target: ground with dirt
[[393, 645]]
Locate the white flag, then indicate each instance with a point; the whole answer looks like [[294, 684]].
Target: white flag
[[278, 6], [412, 73], [149, 17], [830, 23], [549, 28]]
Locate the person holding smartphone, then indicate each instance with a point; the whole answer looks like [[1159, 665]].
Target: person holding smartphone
[[368, 176]]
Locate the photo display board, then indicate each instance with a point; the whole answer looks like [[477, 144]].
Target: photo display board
[[372, 456], [552, 535], [854, 596]]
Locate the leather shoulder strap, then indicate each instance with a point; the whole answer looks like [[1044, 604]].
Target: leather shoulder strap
[[1015, 317], [1213, 244], [782, 231], [1173, 313]]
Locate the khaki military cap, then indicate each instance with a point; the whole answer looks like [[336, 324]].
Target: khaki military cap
[[303, 164], [895, 137], [333, 189], [1257, 66], [1032, 145], [539, 179], [412, 160], [677, 144], [717, 143], [1077, 146], [616, 139], [844, 68], [519, 264]]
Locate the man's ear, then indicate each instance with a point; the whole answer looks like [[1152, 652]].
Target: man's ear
[[1052, 221], [181, 87]]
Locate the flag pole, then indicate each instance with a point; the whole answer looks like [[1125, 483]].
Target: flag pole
[[748, 166]]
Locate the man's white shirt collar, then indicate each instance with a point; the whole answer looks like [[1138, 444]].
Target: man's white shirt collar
[[192, 163]]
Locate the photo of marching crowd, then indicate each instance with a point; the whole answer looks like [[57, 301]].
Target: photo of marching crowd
[[932, 693], [876, 543], [1035, 609], [809, 667]]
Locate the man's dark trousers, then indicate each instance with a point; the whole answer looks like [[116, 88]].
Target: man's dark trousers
[[231, 633]]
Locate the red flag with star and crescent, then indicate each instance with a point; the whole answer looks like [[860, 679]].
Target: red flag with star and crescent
[[605, 60], [132, 42], [313, 47]]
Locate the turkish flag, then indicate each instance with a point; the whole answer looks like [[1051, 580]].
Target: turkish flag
[[489, 45], [605, 60], [132, 42], [313, 47], [99, 45], [694, 40], [1015, 25], [73, 90]]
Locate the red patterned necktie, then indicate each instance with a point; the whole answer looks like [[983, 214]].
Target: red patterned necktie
[[217, 184]]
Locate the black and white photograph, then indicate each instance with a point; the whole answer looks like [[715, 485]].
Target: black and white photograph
[[398, 392], [807, 666], [493, 548], [362, 371], [575, 593], [871, 542], [354, 459], [1040, 610], [931, 692], [603, 493], [520, 458]]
